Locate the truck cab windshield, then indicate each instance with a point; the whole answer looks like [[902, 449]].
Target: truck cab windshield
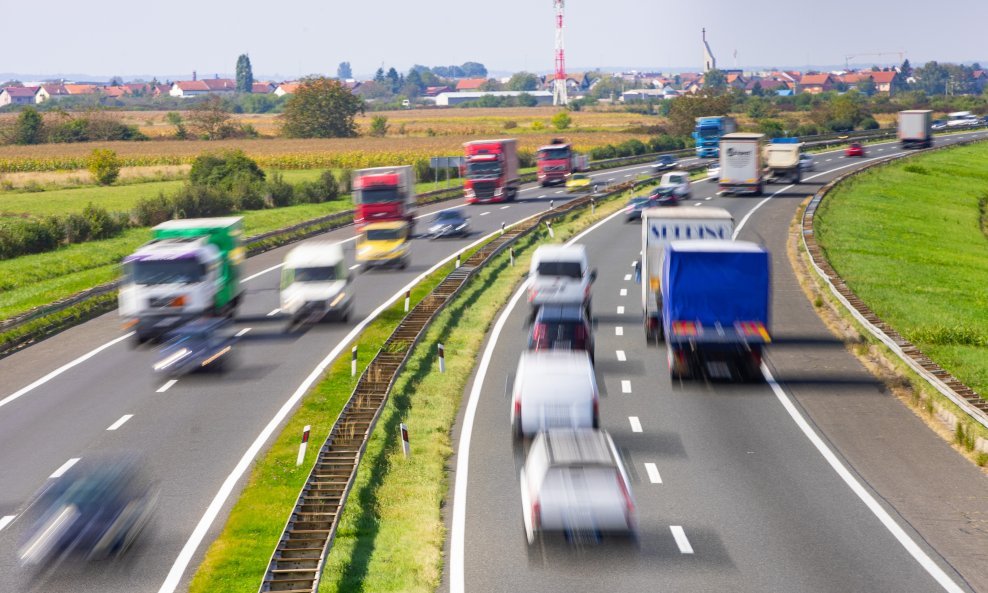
[[316, 274], [567, 269], [383, 234], [709, 132], [483, 170], [377, 195], [166, 272], [554, 154]]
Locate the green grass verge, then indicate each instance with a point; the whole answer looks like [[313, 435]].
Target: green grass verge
[[391, 534], [908, 239]]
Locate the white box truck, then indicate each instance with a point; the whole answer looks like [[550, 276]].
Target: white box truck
[[915, 129], [782, 160], [660, 226], [741, 163]]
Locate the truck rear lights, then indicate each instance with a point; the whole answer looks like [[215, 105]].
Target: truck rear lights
[[685, 328]]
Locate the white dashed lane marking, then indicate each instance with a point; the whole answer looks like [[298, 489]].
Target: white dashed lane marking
[[625, 386], [484, 213], [619, 331], [167, 386], [636, 424], [243, 332], [273, 313], [65, 467], [120, 422], [354, 266], [5, 521], [624, 292], [653, 473], [620, 310], [681, 540], [627, 277], [621, 356]]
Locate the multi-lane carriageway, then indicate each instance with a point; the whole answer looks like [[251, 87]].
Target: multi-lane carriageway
[[86, 392], [815, 480]]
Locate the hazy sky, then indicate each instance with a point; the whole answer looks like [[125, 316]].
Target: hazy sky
[[293, 37]]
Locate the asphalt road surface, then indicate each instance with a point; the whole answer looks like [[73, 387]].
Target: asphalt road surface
[[196, 435], [818, 480]]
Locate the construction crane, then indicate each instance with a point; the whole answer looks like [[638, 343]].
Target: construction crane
[[559, 96], [848, 58]]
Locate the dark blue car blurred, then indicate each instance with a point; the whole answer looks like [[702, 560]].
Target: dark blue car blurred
[[203, 344], [96, 510], [449, 223]]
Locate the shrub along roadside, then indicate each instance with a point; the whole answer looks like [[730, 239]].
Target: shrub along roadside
[[237, 559]]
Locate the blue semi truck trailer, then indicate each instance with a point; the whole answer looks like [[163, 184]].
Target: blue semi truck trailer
[[715, 299], [707, 134]]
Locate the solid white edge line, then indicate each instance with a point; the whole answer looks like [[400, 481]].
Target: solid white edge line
[[625, 386], [58, 473], [681, 540], [457, 583], [653, 473], [621, 356], [184, 558], [120, 422], [168, 385], [636, 423], [62, 369], [903, 538], [5, 521], [261, 273]]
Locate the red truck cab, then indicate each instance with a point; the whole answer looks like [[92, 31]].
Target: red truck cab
[[383, 194], [490, 171], [557, 161]]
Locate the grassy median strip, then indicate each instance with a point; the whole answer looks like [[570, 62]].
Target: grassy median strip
[[391, 533]]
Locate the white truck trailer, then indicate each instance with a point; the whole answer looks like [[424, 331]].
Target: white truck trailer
[[915, 128], [741, 167]]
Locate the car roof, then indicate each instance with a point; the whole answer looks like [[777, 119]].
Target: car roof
[[450, 211], [316, 253], [579, 447], [575, 252], [557, 371], [560, 313]]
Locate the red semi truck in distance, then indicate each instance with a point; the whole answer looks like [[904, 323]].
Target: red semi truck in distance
[[384, 194], [557, 161], [490, 171]]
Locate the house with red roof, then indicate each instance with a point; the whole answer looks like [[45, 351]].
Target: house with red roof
[[815, 84], [286, 88], [469, 84], [263, 88], [18, 95], [885, 81], [81, 89], [209, 86], [51, 92]]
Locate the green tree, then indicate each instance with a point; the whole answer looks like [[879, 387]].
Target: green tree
[[561, 120], [474, 70], [245, 74], [715, 81], [866, 86], [684, 110], [379, 75], [343, 71], [490, 85], [757, 90], [104, 166], [758, 108], [29, 127], [209, 119], [523, 81], [394, 80], [379, 126], [225, 170], [321, 108], [413, 83]]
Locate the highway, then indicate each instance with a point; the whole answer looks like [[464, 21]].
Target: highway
[[815, 480], [87, 392]]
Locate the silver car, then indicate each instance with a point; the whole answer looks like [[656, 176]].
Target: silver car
[[574, 482], [806, 162]]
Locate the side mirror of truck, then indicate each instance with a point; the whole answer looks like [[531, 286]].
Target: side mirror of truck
[[593, 275]]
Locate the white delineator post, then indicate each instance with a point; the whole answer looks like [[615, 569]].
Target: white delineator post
[[408, 300], [405, 447], [458, 259], [353, 362], [552, 234], [502, 228], [511, 254], [302, 447], [442, 358]]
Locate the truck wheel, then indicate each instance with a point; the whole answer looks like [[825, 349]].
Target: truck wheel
[[759, 190]]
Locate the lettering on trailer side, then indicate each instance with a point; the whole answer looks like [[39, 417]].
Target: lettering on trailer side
[[673, 232]]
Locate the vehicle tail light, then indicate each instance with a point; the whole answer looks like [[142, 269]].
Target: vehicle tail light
[[518, 410], [536, 514], [629, 505], [685, 328]]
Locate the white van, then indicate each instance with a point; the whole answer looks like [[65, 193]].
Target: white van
[[315, 282], [554, 389], [560, 275]]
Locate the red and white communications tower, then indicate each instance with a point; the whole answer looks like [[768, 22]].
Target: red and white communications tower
[[559, 84]]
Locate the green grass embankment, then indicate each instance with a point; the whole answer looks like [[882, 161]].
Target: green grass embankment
[[909, 239]]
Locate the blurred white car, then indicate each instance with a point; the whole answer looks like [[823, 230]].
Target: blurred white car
[[679, 181], [554, 389], [574, 482], [806, 162], [713, 172]]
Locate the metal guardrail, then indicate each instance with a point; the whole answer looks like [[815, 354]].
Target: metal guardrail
[[297, 561], [945, 383]]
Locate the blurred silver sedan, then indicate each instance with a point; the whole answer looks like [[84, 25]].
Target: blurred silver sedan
[[574, 482]]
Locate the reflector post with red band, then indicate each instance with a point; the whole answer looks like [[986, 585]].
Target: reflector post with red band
[[303, 445], [442, 358], [408, 299], [405, 447]]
